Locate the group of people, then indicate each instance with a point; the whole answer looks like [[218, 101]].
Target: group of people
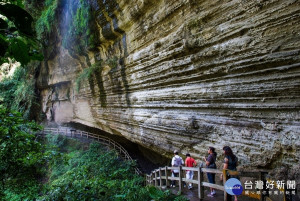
[[230, 162]]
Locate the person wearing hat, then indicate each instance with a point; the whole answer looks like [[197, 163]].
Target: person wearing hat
[[190, 162], [176, 162]]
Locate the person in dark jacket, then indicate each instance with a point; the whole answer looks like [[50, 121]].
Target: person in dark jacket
[[230, 162], [210, 162]]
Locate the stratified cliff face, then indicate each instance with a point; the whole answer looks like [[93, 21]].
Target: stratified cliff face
[[190, 74]]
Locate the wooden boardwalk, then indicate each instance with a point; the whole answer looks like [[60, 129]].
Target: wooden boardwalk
[[192, 195], [162, 178]]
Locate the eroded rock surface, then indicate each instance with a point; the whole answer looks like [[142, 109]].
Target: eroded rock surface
[[190, 74]]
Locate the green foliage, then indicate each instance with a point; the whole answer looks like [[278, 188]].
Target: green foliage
[[20, 156], [159, 195], [73, 21], [96, 173], [83, 172], [47, 20], [79, 35], [17, 92], [86, 74], [16, 2], [17, 37], [94, 69], [15, 193]]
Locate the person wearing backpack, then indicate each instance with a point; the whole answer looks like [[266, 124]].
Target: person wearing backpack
[[176, 162]]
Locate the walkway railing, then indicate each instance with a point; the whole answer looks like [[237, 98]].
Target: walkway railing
[[69, 132], [162, 177]]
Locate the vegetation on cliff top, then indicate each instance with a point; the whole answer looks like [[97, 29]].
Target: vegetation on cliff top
[[46, 21], [72, 20]]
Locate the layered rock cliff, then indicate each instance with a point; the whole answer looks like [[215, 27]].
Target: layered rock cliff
[[188, 74]]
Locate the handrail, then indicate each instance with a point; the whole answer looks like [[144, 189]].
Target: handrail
[[100, 139], [160, 177]]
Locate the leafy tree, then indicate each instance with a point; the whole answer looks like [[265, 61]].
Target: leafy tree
[[17, 92], [20, 154], [17, 38]]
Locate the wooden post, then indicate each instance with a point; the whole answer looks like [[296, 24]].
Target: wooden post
[[262, 178], [224, 181], [227, 197], [166, 173], [160, 179], [180, 178], [200, 187], [151, 178], [155, 177], [199, 183]]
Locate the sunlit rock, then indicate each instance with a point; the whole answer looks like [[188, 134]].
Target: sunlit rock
[[189, 74]]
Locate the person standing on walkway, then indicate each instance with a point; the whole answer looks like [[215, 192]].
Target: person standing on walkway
[[176, 162], [210, 162], [230, 162], [190, 162]]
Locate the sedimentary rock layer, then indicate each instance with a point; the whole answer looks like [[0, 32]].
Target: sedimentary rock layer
[[190, 74]]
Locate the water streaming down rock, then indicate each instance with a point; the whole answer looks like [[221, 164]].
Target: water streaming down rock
[[189, 75]]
